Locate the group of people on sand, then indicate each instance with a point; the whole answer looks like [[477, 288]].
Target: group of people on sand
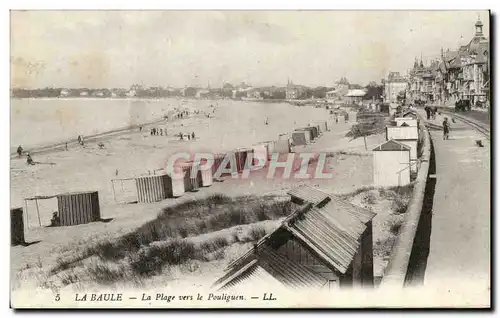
[[182, 114], [158, 131], [189, 136]]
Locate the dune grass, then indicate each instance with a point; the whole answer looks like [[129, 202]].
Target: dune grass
[[165, 241]]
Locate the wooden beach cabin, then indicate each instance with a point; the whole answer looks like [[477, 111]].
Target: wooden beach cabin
[[72, 209], [407, 135], [391, 164], [324, 245], [16, 227]]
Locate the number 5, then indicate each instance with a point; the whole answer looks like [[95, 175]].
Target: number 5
[[58, 297]]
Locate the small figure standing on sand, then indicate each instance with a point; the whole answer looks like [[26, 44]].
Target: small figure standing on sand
[[192, 135], [181, 135], [346, 117], [101, 145], [66, 147], [161, 131], [267, 122], [55, 221], [336, 118], [19, 151], [189, 137], [29, 161]]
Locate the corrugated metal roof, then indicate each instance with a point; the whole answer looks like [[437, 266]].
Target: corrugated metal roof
[[254, 277], [332, 230], [308, 194], [315, 196], [268, 263]]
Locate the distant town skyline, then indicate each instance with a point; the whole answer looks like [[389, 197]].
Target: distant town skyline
[[104, 49]]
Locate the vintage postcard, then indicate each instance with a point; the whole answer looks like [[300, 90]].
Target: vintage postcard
[[250, 159]]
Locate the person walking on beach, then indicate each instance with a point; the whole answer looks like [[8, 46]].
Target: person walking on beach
[[189, 136], [346, 117], [192, 135], [19, 151], [336, 118], [161, 131], [446, 129]]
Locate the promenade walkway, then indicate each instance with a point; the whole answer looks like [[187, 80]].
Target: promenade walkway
[[459, 255]]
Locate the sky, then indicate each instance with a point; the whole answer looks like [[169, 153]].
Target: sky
[[98, 49]]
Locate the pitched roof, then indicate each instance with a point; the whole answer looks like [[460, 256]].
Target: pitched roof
[[331, 229], [410, 114], [391, 145], [268, 266]]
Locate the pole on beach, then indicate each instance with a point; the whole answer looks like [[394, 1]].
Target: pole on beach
[[38, 212], [364, 139], [26, 212], [113, 188]]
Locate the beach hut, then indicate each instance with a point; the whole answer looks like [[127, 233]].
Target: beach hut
[[312, 130], [16, 227], [406, 121], [323, 245], [65, 209], [315, 130], [407, 135], [155, 188], [270, 146], [300, 137], [241, 155], [281, 146], [78, 208], [391, 164], [206, 173], [260, 153], [217, 161], [191, 178], [308, 134]]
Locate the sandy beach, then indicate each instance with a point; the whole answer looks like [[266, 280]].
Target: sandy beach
[[138, 153]]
